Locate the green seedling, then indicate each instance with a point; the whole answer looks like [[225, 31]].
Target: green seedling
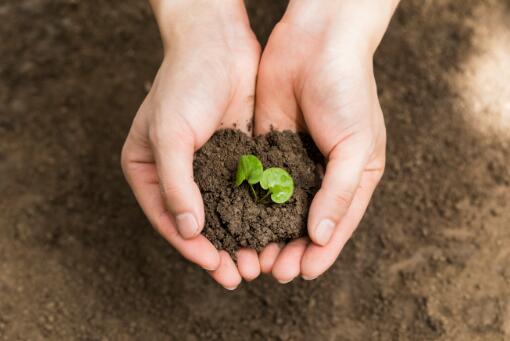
[[250, 169], [276, 181]]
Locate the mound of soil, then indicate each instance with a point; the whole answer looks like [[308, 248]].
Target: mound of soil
[[233, 218]]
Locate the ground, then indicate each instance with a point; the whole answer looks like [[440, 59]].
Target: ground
[[78, 260]]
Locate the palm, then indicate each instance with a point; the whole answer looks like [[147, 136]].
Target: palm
[[310, 85]]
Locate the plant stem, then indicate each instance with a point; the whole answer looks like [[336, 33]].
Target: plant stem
[[254, 193], [265, 196]]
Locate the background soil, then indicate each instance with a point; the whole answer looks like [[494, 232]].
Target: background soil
[[78, 260]]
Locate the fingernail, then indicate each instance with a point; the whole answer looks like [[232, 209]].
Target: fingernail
[[187, 225], [285, 281], [307, 278], [208, 268], [324, 231], [231, 288]]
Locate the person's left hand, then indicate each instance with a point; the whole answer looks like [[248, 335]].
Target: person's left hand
[[316, 76]]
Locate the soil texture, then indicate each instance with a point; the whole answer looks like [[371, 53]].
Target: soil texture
[[79, 260], [233, 218]]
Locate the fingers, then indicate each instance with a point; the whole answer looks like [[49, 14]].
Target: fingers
[[288, 264], [226, 274], [343, 173], [141, 174], [174, 147], [317, 259], [268, 256], [248, 264]]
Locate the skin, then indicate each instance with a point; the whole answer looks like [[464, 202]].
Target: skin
[[315, 75], [190, 99]]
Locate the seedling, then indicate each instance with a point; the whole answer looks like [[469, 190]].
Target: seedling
[[276, 181], [250, 169]]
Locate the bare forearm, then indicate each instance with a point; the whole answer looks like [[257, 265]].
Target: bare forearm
[[182, 21], [363, 21]]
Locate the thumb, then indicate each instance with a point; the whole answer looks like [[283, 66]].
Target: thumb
[[173, 147], [345, 166]]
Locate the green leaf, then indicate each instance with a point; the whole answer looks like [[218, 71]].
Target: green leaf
[[279, 183], [250, 169]]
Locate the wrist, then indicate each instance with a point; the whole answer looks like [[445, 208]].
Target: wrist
[[358, 23], [189, 21]]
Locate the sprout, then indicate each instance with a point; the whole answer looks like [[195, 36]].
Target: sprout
[[276, 181], [249, 169]]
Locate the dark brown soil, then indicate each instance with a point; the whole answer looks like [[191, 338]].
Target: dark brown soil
[[79, 261], [233, 218]]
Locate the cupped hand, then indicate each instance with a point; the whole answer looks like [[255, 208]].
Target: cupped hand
[[316, 76], [205, 82]]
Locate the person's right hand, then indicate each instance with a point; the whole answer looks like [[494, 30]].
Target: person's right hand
[[206, 81]]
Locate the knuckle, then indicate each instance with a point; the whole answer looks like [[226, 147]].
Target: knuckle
[[174, 189], [171, 190], [343, 198], [376, 176], [127, 163], [154, 135], [164, 227], [124, 158], [380, 173], [170, 131]]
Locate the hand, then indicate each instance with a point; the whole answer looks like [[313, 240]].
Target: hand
[[316, 75], [206, 81]]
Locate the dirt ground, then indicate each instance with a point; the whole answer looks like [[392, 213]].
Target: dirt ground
[[78, 260]]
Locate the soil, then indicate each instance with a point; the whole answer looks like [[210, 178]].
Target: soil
[[79, 261], [233, 218]]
